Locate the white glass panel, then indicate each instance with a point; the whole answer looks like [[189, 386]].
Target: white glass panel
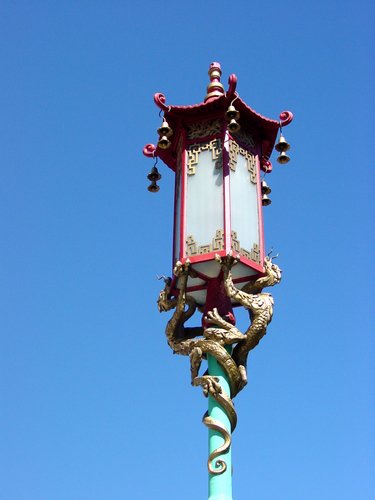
[[204, 205], [244, 205]]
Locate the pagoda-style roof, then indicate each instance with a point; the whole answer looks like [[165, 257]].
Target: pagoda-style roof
[[215, 105]]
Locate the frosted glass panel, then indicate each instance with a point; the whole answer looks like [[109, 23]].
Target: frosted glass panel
[[204, 207], [177, 215], [244, 205]]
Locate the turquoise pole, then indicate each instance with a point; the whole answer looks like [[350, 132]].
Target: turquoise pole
[[220, 485]]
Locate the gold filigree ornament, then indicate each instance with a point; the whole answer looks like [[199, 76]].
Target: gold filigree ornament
[[253, 255], [192, 248], [234, 151], [193, 154], [204, 129]]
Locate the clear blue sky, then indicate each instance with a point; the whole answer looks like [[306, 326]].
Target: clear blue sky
[[93, 404]]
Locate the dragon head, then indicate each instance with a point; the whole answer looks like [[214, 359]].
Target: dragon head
[[272, 271], [164, 301]]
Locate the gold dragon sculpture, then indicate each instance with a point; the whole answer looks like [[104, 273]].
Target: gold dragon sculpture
[[219, 334]]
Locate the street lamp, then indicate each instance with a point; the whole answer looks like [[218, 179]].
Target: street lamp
[[219, 150]]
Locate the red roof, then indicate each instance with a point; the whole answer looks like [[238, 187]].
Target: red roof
[[214, 106]]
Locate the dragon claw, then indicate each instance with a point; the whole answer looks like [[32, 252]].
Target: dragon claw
[[218, 258], [214, 317], [210, 385], [180, 268], [229, 260], [177, 268]]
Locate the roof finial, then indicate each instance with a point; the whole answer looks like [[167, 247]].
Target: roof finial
[[215, 88]]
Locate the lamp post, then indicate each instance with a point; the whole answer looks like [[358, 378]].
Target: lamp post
[[218, 151]]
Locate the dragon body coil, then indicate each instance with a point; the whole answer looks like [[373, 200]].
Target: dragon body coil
[[213, 339]]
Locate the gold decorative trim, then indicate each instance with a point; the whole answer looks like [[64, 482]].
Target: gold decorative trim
[[205, 249], [254, 253], [193, 154], [235, 243], [234, 151], [218, 241], [204, 129], [192, 248]]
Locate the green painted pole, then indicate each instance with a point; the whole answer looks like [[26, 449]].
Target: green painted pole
[[220, 485]]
